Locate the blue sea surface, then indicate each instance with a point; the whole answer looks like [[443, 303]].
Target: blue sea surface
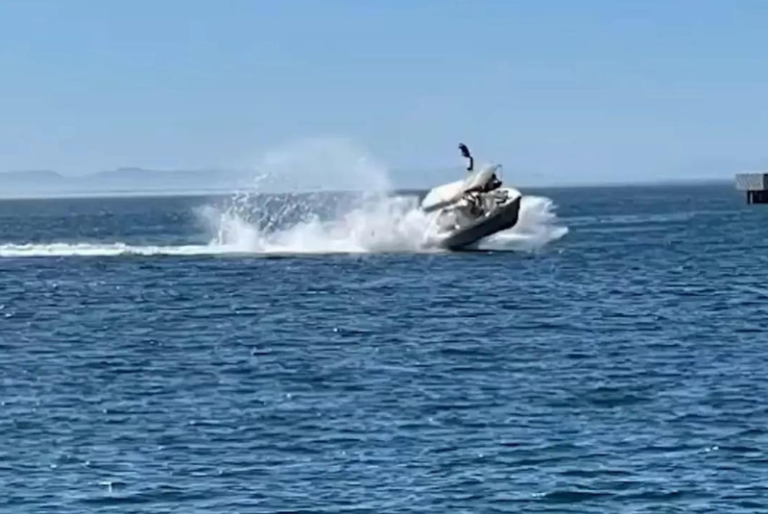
[[619, 368]]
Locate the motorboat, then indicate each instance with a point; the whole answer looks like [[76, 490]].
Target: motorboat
[[467, 211]]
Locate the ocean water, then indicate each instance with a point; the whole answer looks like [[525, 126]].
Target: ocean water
[[309, 354]]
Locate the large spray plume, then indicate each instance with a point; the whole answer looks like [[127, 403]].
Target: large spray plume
[[320, 195]]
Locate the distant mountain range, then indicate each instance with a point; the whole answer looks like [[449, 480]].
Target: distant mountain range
[[120, 181]]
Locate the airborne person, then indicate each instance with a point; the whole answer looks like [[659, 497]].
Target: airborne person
[[493, 181]]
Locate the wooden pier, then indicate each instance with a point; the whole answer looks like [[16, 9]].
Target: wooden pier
[[755, 185]]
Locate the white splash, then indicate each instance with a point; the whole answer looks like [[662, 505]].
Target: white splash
[[256, 223], [377, 223], [380, 224], [536, 227], [320, 164]]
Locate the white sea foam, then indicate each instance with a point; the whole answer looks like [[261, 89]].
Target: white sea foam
[[537, 226], [251, 222], [377, 224], [107, 249], [384, 224]]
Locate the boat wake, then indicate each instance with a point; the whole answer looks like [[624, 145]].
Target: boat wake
[[377, 224], [101, 250], [537, 227], [386, 224], [256, 223]]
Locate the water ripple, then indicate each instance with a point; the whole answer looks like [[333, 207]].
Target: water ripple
[[621, 371]]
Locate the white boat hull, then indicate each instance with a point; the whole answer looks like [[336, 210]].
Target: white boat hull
[[462, 226]]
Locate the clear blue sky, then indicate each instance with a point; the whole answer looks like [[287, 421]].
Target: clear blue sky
[[584, 91]]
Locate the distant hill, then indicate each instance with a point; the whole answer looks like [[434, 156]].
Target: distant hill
[[120, 181]]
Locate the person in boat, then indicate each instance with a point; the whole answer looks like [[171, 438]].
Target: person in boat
[[472, 195], [493, 183]]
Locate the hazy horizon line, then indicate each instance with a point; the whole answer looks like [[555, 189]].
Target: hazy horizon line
[[170, 193]]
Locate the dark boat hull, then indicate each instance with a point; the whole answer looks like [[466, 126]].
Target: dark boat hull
[[504, 218]]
